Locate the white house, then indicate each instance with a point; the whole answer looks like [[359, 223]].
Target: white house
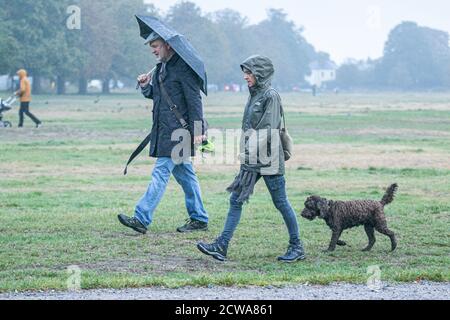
[[321, 73]]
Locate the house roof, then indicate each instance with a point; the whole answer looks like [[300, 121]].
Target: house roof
[[326, 65]]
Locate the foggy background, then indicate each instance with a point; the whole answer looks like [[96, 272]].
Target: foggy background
[[346, 29], [83, 46]]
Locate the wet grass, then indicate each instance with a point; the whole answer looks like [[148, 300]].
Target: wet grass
[[61, 188]]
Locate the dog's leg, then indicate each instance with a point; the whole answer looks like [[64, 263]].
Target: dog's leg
[[371, 235], [334, 239], [391, 235], [381, 227]]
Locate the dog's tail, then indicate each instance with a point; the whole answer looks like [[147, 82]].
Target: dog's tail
[[389, 195]]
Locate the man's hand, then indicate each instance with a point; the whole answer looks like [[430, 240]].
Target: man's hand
[[144, 79], [199, 139]]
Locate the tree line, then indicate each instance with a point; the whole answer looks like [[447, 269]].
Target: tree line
[[36, 35], [415, 58]]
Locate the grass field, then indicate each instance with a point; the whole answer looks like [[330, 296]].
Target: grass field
[[61, 187]]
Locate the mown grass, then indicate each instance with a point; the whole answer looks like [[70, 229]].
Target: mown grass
[[61, 188]]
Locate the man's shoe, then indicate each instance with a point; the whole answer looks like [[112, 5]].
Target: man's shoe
[[132, 223], [38, 125], [294, 253], [217, 249], [193, 225]]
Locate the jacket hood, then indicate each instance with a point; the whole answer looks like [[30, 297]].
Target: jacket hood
[[22, 73], [262, 68]]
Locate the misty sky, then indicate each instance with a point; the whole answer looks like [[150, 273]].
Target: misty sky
[[344, 28]]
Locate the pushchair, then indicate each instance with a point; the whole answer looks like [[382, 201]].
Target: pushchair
[[5, 105]]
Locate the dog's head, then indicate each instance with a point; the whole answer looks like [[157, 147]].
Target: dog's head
[[315, 206]]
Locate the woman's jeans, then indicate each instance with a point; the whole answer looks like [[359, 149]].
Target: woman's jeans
[[185, 176], [277, 189]]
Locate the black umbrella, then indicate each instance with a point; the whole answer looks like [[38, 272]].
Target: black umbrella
[[177, 41]]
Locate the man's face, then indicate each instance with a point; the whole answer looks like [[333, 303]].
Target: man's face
[[250, 78], [160, 49]]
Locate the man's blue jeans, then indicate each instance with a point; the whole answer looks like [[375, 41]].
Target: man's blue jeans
[[277, 189], [185, 176]]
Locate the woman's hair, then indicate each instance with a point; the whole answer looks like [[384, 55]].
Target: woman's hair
[[245, 70]]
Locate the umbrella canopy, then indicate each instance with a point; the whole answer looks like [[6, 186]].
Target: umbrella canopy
[[178, 42]]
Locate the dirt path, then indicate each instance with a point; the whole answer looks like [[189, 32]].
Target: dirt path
[[410, 291]]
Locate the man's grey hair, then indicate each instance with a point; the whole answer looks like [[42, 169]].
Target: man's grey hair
[[152, 37]]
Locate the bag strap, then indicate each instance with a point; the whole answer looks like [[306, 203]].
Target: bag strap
[[146, 141], [281, 107], [283, 116], [172, 106]]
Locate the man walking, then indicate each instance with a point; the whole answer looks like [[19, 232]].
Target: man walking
[[173, 83], [24, 93]]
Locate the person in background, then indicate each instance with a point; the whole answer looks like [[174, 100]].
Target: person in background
[[24, 93]]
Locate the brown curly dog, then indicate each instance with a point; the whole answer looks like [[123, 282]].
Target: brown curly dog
[[341, 215]]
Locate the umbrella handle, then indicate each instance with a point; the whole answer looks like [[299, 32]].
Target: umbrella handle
[[148, 75]]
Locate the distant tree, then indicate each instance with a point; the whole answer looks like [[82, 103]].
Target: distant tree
[[224, 39], [354, 74], [415, 58], [34, 35], [111, 43], [348, 76], [132, 58], [321, 57], [36, 39], [8, 44], [65, 55], [207, 38], [32, 26], [99, 42], [236, 43], [283, 42]]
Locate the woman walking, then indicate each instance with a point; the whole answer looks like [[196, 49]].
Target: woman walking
[[262, 116]]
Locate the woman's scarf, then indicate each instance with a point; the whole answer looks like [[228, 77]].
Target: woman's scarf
[[243, 185]]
